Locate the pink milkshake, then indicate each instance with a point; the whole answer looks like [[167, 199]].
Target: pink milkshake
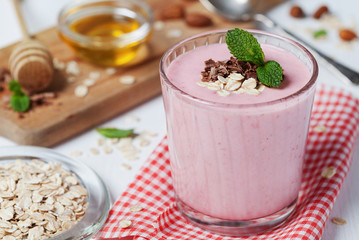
[[237, 160]]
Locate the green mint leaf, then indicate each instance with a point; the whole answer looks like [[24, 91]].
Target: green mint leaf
[[15, 87], [114, 132], [244, 46], [20, 102], [271, 74], [320, 33]]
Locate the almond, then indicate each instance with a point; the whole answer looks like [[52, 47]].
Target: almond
[[172, 12], [320, 11], [347, 35], [198, 20], [296, 12]]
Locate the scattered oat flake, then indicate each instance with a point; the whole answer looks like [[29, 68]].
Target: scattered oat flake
[[125, 223], [149, 133], [71, 79], [110, 71], [75, 153], [100, 141], [132, 118], [136, 208], [223, 92], [158, 25], [144, 142], [58, 64], [72, 68], [320, 129], [81, 91], [338, 221], [107, 149], [261, 88], [155, 224], [174, 33], [89, 82], [130, 157], [94, 75], [329, 172], [126, 166], [114, 140], [127, 79], [94, 151]]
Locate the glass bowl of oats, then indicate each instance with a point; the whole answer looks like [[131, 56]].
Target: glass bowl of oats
[[46, 195]]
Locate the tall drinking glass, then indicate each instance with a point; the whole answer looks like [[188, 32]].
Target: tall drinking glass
[[237, 168]]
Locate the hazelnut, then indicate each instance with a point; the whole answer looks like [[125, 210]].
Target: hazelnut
[[296, 12]]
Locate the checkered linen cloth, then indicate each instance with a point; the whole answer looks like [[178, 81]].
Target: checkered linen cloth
[[334, 109]]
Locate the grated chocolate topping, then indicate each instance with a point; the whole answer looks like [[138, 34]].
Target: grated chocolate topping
[[214, 69]]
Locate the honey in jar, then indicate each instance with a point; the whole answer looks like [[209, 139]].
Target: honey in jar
[[106, 35]]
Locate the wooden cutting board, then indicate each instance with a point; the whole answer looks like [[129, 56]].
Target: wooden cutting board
[[68, 115]]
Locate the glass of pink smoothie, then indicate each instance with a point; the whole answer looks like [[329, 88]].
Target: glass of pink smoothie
[[237, 160]]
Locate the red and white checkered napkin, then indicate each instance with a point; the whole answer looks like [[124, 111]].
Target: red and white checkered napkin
[[336, 110]]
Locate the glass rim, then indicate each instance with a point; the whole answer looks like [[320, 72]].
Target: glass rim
[[301, 91], [126, 38]]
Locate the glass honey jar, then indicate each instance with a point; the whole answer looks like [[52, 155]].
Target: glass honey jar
[[106, 32]]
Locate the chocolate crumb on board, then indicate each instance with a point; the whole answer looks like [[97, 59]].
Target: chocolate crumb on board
[[41, 99], [223, 68]]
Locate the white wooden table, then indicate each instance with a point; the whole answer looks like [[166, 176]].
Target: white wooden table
[[42, 14]]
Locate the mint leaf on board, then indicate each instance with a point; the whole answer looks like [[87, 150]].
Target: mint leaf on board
[[114, 132], [271, 74], [14, 86], [20, 102], [244, 46], [320, 33]]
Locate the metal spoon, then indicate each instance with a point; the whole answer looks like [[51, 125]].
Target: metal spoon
[[243, 10]]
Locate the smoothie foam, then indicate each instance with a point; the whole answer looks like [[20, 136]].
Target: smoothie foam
[[233, 162]]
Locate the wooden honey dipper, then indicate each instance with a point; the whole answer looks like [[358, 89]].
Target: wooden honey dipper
[[30, 62]]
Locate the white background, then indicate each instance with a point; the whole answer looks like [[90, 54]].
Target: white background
[[42, 14]]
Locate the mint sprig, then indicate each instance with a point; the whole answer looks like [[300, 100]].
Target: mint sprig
[[19, 101], [271, 74], [245, 47], [114, 132]]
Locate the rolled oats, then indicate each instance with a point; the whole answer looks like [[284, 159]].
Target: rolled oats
[[125, 166], [39, 200], [136, 208], [127, 79], [125, 223], [320, 129], [81, 91], [338, 221], [329, 172]]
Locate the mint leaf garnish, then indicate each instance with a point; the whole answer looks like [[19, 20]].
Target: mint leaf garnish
[[244, 46], [114, 132], [320, 33], [14, 86], [19, 101], [270, 74]]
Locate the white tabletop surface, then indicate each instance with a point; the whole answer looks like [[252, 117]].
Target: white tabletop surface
[[42, 14]]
